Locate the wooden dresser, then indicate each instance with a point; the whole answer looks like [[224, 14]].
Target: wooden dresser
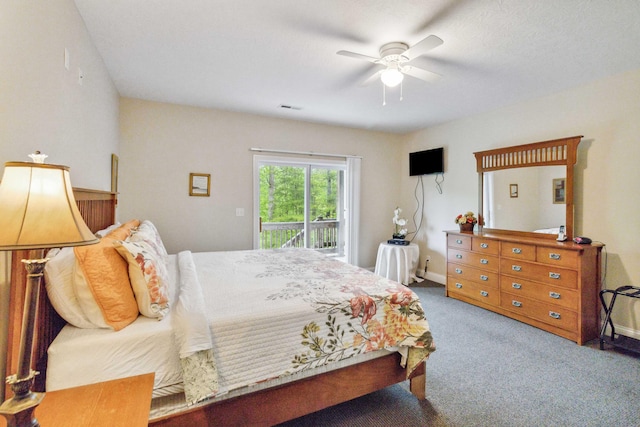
[[544, 283]]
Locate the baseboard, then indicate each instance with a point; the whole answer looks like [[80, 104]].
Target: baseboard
[[438, 278]]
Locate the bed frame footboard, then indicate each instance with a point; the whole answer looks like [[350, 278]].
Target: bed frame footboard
[[293, 400]]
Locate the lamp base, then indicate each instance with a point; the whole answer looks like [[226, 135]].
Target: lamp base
[[19, 412]]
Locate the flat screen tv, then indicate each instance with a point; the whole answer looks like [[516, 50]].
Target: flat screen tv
[[426, 162]]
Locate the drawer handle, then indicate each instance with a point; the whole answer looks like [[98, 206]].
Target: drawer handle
[[459, 285], [484, 293], [458, 241], [554, 256], [516, 250], [516, 303], [554, 315], [516, 268], [458, 256], [554, 275], [554, 295], [516, 285], [459, 270], [484, 261], [484, 245], [483, 277]]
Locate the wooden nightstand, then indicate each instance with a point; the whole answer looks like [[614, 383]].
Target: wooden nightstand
[[123, 402]]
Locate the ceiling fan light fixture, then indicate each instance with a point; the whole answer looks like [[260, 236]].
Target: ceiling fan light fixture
[[391, 77]]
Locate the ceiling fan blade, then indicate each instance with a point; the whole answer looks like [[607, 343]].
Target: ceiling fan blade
[[421, 74], [423, 46], [441, 15], [372, 78], [358, 56]]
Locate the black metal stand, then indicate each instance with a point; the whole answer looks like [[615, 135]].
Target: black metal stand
[[620, 341]]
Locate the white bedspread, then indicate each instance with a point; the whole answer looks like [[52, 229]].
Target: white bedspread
[[258, 315], [273, 313], [86, 356]]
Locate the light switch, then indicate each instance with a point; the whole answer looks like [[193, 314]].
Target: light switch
[[239, 211]]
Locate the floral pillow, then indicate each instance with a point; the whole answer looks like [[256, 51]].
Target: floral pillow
[[147, 232], [148, 275]]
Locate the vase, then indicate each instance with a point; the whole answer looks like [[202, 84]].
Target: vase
[[399, 236], [466, 226]]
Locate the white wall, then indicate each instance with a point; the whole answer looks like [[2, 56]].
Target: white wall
[[607, 184], [42, 106], [162, 143]]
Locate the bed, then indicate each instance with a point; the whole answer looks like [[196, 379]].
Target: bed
[[302, 382]]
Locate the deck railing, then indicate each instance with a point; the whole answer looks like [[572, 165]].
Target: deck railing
[[324, 235]]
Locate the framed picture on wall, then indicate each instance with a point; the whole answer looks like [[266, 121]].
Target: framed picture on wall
[[114, 173], [559, 190], [513, 190], [199, 184]]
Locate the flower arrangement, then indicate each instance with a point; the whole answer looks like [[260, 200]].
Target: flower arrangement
[[467, 218], [400, 223]]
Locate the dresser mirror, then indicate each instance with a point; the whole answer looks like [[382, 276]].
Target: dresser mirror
[[528, 188]]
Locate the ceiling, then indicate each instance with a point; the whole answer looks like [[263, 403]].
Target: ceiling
[[255, 55]]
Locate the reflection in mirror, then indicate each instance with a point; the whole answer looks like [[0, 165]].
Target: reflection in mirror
[[521, 214], [535, 204]]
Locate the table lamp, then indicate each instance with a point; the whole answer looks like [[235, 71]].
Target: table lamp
[[37, 211]]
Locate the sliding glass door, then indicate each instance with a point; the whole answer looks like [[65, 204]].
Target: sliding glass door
[[300, 204]]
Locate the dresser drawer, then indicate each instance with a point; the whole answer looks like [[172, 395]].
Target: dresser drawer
[[459, 242], [489, 262], [561, 257], [485, 277], [485, 246], [559, 296], [485, 294], [518, 251], [547, 274], [557, 316]]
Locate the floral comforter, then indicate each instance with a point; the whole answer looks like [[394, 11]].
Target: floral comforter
[[279, 312]]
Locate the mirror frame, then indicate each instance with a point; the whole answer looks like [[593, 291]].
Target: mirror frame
[[554, 152]]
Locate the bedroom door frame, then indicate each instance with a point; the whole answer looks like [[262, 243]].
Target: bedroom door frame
[[307, 164]]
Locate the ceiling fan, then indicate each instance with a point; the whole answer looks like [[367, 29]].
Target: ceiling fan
[[395, 58]]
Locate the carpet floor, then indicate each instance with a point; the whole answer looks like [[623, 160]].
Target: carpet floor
[[489, 370]]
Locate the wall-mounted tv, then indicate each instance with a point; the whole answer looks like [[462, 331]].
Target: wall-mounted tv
[[426, 162]]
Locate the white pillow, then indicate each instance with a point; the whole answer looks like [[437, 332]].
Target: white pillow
[[101, 233], [58, 275]]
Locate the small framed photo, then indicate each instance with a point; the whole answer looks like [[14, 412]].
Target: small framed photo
[[199, 184], [559, 190], [513, 190]]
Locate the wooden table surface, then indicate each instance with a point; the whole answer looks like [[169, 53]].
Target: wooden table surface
[[123, 402]]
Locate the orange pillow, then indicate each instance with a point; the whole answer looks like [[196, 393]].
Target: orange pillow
[[106, 276]]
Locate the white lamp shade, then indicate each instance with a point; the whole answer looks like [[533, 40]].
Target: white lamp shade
[[391, 77], [38, 210]]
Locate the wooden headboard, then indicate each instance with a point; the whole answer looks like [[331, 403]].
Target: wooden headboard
[[98, 209]]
